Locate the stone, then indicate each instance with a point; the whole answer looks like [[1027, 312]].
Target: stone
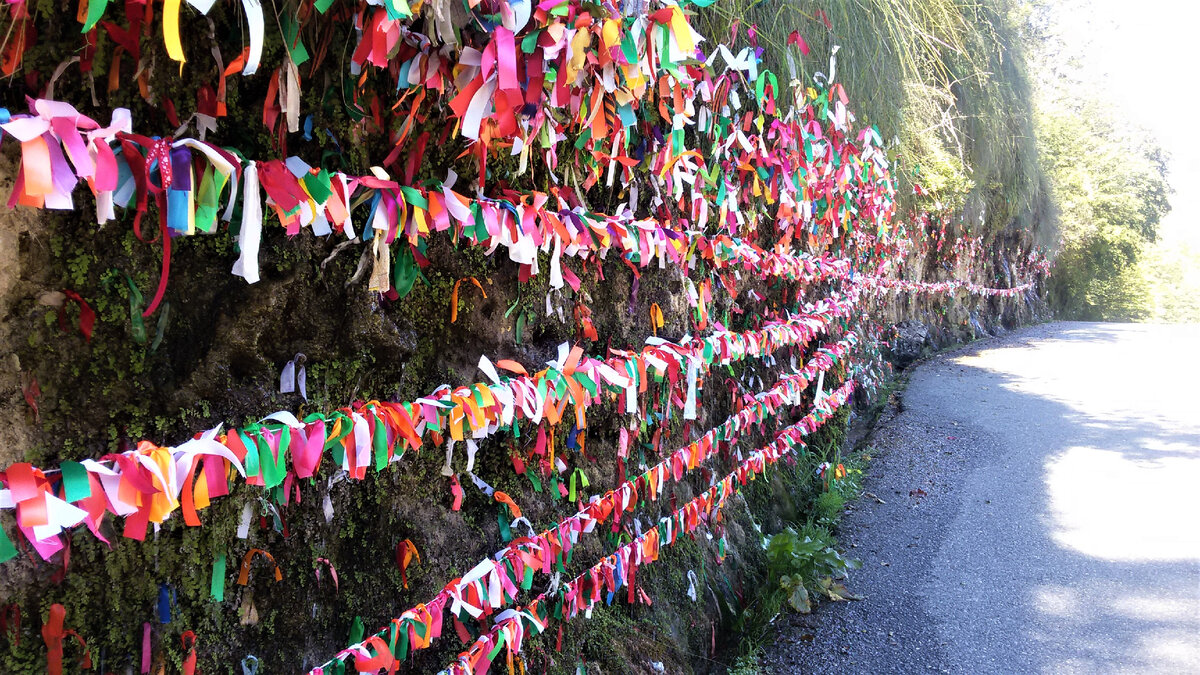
[[908, 342]]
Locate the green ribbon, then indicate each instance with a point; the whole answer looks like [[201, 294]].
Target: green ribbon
[[586, 382], [252, 468], [95, 11], [319, 185], [273, 469], [217, 586], [529, 42], [629, 47], [211, 185], [480, 227], [499, 645], [502, 520], [75, 481], [414, 197], [394, 632], [397, 9], [137, 323], [291, 33], [380, 443], [583, 482], [7, 550], [519, 331], [164, 318]]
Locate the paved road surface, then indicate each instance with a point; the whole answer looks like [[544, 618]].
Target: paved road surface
[[1058, 525]]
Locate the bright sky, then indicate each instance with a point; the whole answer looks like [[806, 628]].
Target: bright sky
[[1146, 52]]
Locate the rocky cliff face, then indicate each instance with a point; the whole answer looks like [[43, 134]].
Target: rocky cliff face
[[919, 325], [215, 357], [219, 360]]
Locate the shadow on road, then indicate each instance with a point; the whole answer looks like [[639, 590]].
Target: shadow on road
[[1103, 460]]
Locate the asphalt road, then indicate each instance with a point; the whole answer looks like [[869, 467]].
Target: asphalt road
[[1041, 514]]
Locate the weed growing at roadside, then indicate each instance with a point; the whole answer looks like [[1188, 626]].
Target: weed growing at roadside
[[828, 507], [803, 565], [747, 664]]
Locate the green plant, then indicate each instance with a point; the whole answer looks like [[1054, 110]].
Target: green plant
[[804, 565], [819, 533], [945, 81], [828, 507], [747, 664], [849, 485]]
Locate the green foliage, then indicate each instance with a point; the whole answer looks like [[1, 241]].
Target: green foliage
[[804, 565], [828, 507], [1172, 273], [1109, 185], [746, 664]]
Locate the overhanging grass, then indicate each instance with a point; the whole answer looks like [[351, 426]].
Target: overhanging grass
[[944, 79]]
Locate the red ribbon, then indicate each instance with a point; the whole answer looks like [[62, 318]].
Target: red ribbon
[[87, 316], [457, 491], [158, 150], [189, 662], [32, 392], [53, 633]]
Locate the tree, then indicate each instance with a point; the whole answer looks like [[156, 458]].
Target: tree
[[1109, 183]]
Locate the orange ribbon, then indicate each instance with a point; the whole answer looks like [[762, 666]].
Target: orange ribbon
[[244, 573], [513, 509], [454, 296], [405, 552], [512, 366]]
